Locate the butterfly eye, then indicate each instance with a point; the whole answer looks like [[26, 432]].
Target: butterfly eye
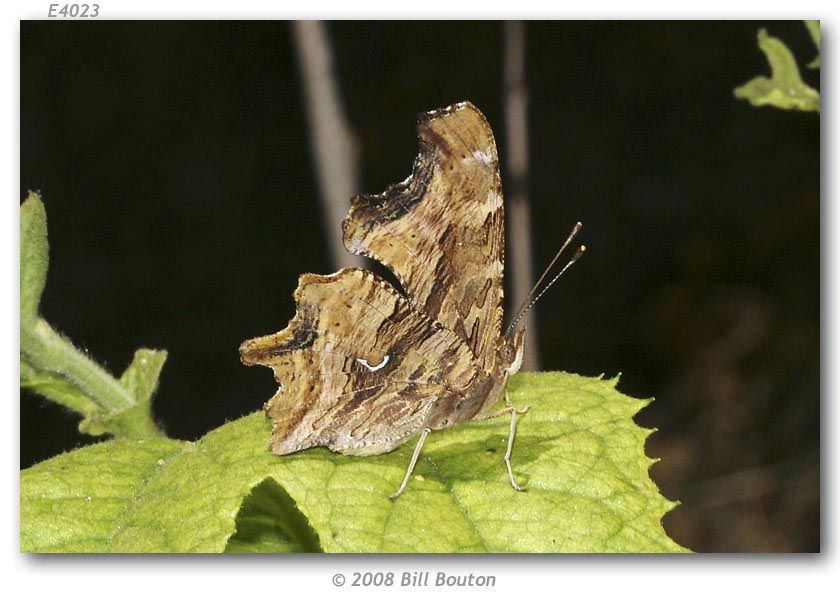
[[506, 353]]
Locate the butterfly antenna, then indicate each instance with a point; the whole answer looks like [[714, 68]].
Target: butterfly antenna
[[530, 299], [572, 235]]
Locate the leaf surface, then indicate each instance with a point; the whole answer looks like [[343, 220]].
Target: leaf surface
[[577, 451], [74, 502]]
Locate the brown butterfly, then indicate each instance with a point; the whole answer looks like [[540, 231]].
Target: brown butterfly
[[364, 366]]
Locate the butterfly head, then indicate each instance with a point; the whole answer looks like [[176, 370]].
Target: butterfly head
[[511, 351]]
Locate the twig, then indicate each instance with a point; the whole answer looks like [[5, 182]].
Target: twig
[[333, 144], [519, 230]]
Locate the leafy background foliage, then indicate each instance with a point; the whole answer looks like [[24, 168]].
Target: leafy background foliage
[[784, 88], [578, 452]]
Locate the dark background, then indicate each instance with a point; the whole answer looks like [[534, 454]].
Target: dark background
[[175, 165]]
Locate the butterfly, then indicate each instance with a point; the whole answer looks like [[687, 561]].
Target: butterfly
[[363, 366]]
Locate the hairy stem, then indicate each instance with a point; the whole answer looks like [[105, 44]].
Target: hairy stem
[[48, 350]]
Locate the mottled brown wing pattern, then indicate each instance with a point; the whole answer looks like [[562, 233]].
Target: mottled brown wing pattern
[[441, 231], [358, 367]]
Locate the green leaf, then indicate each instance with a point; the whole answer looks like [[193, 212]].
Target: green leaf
[[785, 88], [814, 30], [73, 502], [577, 451], [34, 257], [141, 376], [140, 380], [269, 521]]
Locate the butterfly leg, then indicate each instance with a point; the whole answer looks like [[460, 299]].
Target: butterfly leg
[[413, 462], [504, 411], [513, 412]]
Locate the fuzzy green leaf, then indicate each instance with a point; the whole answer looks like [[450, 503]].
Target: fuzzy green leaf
[[785, 88], [141, 376], [74, 502], [140, 380], [577, 451], [34, 258], [269, 521]]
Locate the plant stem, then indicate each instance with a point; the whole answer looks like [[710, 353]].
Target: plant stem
[[334, 146], [516, 122], [48, 350]]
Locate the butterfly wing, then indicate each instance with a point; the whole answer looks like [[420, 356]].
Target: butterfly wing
[[441, 231], [358, 367]]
